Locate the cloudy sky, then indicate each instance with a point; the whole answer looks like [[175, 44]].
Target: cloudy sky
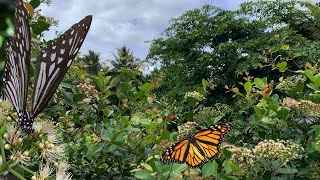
[[122, 22]]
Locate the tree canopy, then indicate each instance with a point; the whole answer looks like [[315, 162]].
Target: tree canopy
[[212, 42]]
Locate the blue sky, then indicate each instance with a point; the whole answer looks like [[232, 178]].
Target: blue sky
[[122, 22]]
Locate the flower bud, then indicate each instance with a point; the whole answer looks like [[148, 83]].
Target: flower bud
[[41, 145], [26, 153], [7, 146]]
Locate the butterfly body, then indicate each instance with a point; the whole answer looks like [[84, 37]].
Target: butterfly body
[[52, 65], [197, 149], [26, 121]]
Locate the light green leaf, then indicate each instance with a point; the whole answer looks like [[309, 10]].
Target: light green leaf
[[207, 169]]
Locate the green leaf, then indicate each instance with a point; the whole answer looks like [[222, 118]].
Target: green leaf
[[312, 86], [115, 81], [208, 169], [273, 104], [147, 166], [35, 3], [248, 86], [95, 149], [235, 90], [201, 90], [145, 87], [145, 121], [40, 26], [282, 66], [317, 131], [227, 166], [178, 167], [78, 97], [143, 174], [66, 85], [215, 168], [283, 113], [188, 116], [173, 136], [107, 134], [135, 120], [191, 101], [287, 171], [317, 80], [309, 75], [118, 136], [107, 112], [260, 83], [165, 135], [285, 47], [204, 83], [268, 120], [297, 55]]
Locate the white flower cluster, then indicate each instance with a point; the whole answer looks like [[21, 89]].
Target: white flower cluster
[[195, 95], [305, 107], [281, 150], [5, 108], [185, 128], [43, 146], [243, 157], [290, 82]]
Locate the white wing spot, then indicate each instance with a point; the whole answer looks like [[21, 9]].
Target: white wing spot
[[69, 62], [44, 55], [51, 68], [59, 60], [53, 56], [62, 51]]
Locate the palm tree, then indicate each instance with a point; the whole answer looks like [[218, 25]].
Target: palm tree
[[124, 58], [92, 62]]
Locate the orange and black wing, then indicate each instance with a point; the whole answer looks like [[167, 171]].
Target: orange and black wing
[[195, 158], [177, 152], [210, 139], [182, 152]]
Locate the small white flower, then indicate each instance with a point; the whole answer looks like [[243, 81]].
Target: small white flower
[[63, 176], [44, 173], [21, 157], [43, 127]]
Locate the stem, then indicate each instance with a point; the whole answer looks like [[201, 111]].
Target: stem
[[26, 169], [16, 174], [13, 164], [3, 155], [4, 166], [122, 173]]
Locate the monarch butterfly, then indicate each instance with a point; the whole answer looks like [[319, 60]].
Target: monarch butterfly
[[197, 149], [52, 65]]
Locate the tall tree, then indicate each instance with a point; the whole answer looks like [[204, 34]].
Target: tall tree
[[124, 58], [92, 61], [225, 44]]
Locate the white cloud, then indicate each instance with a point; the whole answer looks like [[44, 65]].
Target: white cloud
[[122, 22]]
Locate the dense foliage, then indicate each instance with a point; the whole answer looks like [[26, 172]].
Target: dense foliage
[[254, 68]]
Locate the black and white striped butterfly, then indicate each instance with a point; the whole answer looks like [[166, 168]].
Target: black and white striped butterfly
[[52, 65], [310, 120]]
